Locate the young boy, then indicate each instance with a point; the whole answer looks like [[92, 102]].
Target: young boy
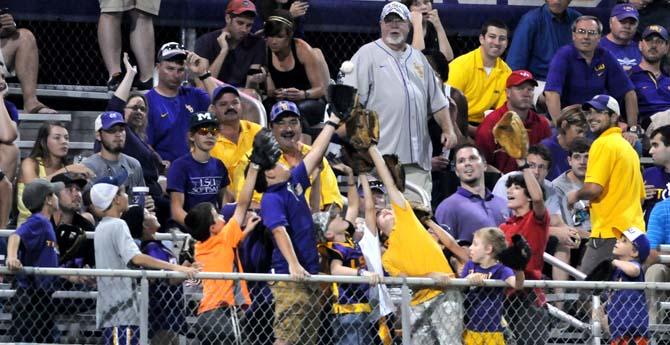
[[117, 308], [216, 249], [627, 309]]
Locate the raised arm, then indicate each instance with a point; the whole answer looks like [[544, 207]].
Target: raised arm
[[385, 175], [123, 91], [370, 212], [315, 155], [448, 241], [534, 190], [244, 198]]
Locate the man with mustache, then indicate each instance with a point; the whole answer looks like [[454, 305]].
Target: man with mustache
[[623, 25], [236, 136], [652, 84], [583, 69], [396, 80]]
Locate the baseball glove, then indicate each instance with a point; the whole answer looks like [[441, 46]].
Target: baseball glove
[[397, 171], [511, 135], [517, 255], [359, 161], [70, 238], [266, 151], [341, 100], [362, 128]]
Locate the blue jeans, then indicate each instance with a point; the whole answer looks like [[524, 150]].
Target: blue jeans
[[354, 329]]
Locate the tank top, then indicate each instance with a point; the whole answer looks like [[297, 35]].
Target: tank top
[[24, 213], [297, 77]]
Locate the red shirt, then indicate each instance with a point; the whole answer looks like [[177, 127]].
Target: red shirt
[[537, 126], [536, 233]]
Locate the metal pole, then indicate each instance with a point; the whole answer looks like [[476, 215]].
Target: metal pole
[[404, 313], [596, 328], [144, 311]]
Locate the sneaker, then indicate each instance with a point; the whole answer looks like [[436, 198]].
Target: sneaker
[[114, 81], [143, 85]]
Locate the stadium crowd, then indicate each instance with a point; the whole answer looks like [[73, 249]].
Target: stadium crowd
[[532, 153]]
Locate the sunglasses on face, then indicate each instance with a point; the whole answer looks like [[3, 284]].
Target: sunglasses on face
[[208, 130]]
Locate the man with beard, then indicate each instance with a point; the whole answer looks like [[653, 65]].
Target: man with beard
[[110, 130], [236, 136], [582, 70], [652, 84], [286, 127], [481, 74], [473, 206], [657, 178], [396, 80], [519, 90], [197, 176], [619, 42], [613, 184]]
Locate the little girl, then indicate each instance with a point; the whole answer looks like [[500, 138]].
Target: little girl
[[484, 305]]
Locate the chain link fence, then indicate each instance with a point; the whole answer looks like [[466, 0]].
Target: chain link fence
[[156, 307]]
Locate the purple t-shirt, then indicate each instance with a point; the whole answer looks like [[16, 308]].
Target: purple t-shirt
[[464, 213], [627, 309], [627, 55], [559, 157], [200, 182], [657, 177], [169, 117], [653, 95], [284, 205], [485, 306], [577, 82], [38, 249]]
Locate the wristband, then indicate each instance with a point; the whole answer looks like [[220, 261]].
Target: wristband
[[335, 125], [205, 76], [307, 94]]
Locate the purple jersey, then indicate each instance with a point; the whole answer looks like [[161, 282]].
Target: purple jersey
[[627, 309], [484, 305], [351, 256]]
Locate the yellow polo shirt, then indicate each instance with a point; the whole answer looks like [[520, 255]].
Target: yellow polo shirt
[[615, 166], [413, 251], [231, 153], [330, 192], [483, 92]]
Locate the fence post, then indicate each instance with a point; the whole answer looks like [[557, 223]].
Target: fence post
[[596, 327], [144, 310], [405, 314]]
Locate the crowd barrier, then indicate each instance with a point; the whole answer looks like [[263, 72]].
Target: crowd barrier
[[164, 305]]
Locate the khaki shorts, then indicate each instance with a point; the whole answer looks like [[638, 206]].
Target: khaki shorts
[[297, 309], [148, 6]]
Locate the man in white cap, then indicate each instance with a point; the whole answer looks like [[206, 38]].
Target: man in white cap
[[613, 184], [117, 307], [397, 82]]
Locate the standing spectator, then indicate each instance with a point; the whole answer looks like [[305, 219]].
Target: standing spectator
[[197, 176], [34, 244], [285, 213], [236, 136], [571, 124], [117, 307], [47, 159], [582, 70], [19, 57], [141, 14], [473, 206], [619, 42], [538, 36], [657, 178], [519, 91], [627, 313], [482, 74], [232, 51], [652, 84], [403, 92], [9, 152], [427, 31], [171, 104], [614, 205]]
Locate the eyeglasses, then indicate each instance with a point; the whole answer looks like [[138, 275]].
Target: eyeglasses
[[208, 130], [590, 33], [138, 108]]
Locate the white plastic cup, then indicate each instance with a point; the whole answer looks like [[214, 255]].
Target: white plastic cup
[[139, 195]]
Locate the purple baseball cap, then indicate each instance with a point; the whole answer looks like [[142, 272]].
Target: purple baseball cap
[[602, 102], [223, 88], [108, 119], [623, 11], [283, 107], [655, 30]]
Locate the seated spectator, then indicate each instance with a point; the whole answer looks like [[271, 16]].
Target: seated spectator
[[19, 57], [47, 159], [197, 176], [233, 51], [9, 152], [573, 79], [481, 74], [571, 124], [658, 232], [171, 104], [117, 304], [519, 91], [236, 136], [427, 30], [652, 83], [286, 125], [657, 178], [537, 37], [295, 72], [619, 42], [473, 206]]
